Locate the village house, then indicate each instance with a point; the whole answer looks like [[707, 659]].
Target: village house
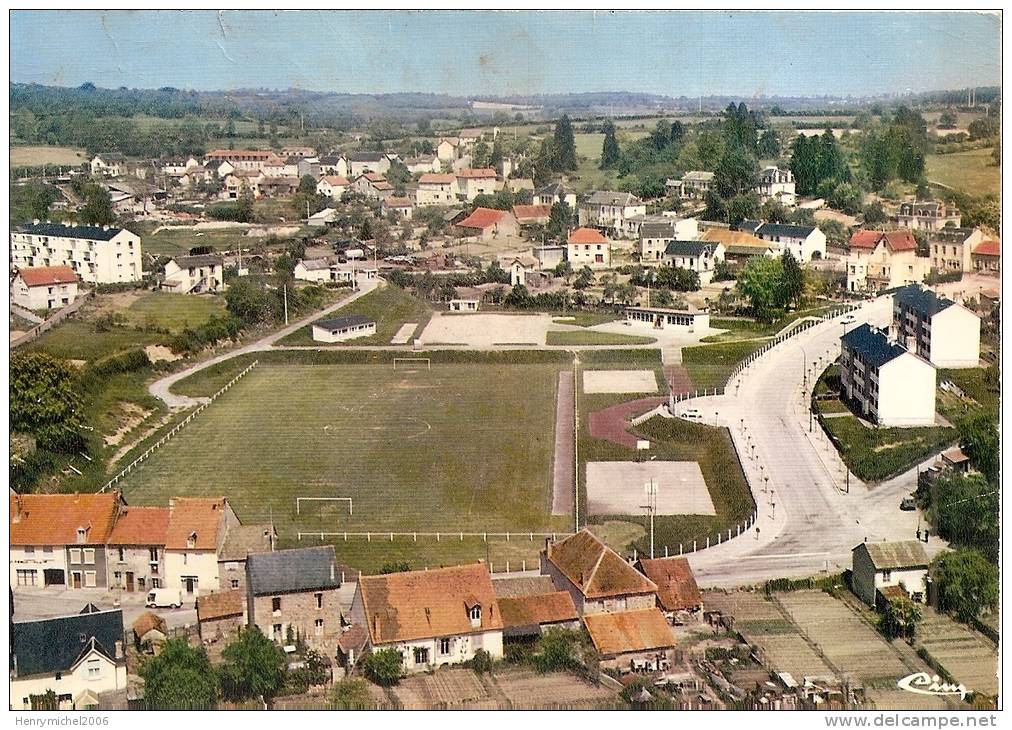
[[698, 256], [986, 257], [178, 167], [79, 658], [271, 187], [150, 632], [687, 229], [687, 320], [549, 256], [322, 217], [197, 176], [952, 248], [776, 184], [252, 160], [361, 163], [879, 566], [598, 579], [373, 185], [927, 215], [135, 549], [220, 616], [97, 254], [423, 164], [487, 224], [531, 615], [297, 151], [555, 193], [240, 183], [472, 182], [532, 215], [194, 274], [341, 329], [241, 541], [436, 189], [403, 208], [197, 528], [739, 246], [448, 149], [46, 287], [110, 164], [519, 186], [431, 617], [464, 304], [293, 594], [588, 247], [320, 271], [678, 596], [59, 539], [804, 242], [281, 167], [889, 385], [608, 210], [326, 165], [693, 184], [654, 236], [942, 332], [883, 260], [333, 186], [639, 640]]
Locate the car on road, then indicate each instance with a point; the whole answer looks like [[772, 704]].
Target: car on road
[[691, 414], [849, 319], [908, 504], [164, 598]]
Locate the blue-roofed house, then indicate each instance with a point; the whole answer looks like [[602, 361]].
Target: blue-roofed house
[[887, 384], [698, 256], [941, 331]]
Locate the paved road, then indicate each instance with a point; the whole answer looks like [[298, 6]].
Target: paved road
[[160, 388], [808, 521], [38, 603]]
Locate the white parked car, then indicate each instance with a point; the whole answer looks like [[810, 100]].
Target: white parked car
[[691, 414], [164, 598], [849, 319]]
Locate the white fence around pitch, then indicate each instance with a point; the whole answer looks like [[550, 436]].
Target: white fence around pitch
[[176, 429]]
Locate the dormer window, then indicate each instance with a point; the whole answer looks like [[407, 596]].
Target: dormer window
[[82, 534], [474, 613], [191, 540]]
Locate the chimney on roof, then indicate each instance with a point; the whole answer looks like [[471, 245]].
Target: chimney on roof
[[119, 649], [332, 570], [17, 509]]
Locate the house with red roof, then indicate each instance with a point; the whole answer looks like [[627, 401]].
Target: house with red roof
[[333, 186], [195, 534], [403, 208], [532, 215], [678, 595], [884, 260], [44, 287], [373, 185], [986, 256], [472, 182], [487, 224], [588, 247], [135, 550]]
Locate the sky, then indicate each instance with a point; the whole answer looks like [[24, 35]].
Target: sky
[[501, 53]]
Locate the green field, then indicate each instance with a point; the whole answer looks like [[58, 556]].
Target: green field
[[38, 155], [972, 172], [173, 312], [709, 366], [390, 306], [875, 454], [179, 240], [458, 447], [593, 337]]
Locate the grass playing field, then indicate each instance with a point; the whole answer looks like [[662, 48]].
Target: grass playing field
[[458, 447], [972, 172]]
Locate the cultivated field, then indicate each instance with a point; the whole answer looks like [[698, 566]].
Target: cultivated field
[[528, 689], [967, 656], [38, 155], [457, 448]]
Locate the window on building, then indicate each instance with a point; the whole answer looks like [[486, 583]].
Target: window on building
[[82, 534], [121, 554], [47, 550], [75, 555], [26, 577], [318, 626], [319, 600], [276, 603], [887, 575], [90, 578], [29, 551], [421, 655], [444, 646], [153, 555], [474, 613], [235, 583], [89, 556], [156, 583]]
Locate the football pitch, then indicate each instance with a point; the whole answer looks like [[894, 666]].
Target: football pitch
[[460, 447]]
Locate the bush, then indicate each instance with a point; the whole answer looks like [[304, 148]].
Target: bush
[[123, 362], [556, 651], [352, 694], [481, 662], [215, 329], [383, 667]]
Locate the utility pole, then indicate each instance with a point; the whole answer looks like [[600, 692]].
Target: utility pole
[[651, 507], [286, 303]]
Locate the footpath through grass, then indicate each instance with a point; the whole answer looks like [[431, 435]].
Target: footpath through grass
[[390, 306]]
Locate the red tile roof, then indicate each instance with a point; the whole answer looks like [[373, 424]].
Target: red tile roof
[[423, 604], [476, 172], [482, 218], [990, 247], [865, 239], [374, 177], [48, 275], [335, 180], [393, 202], [587, 235], [200, 515], [140, 526], [619, 633], [901, 241], [545, 608], [435, 178], [531, 212], [595, 569], [219, 605], [53, 519], [676, 585]]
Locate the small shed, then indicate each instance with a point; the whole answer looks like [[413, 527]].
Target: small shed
[[150, 632]]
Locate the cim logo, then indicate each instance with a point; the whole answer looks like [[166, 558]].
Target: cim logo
[[923, 683]]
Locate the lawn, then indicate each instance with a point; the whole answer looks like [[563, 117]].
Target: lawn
[[179, 240], [458, 447], [972, 172], [38, 155], [876, 454], [390, 306], [173, 312], [740, 329], [78, 339], [710, 366], [585, 319], [974, 382], [592, 337]]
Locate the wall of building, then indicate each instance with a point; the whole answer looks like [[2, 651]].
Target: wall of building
[[136, 560], [955, 338], [103, 262], [42, 297], [37, 559], [203, 565], [906, 392], [73, 683], [299, 612], [462, 649], [89, 561]]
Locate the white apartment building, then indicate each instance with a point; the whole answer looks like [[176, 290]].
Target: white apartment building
[[890, 386], [97, 254], [942, 332]]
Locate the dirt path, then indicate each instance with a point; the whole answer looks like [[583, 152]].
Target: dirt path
[[562, 466]]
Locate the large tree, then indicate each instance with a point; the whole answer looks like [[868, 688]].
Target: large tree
[[560, 220], [180, 677], [900, 618], [979, 439], [44, 401], [761, 283], [964, 510], [967, 583], [383, 666], [97, 209], [610, 154], [736, 173], [565, 142], [253, 667], [793, 279]]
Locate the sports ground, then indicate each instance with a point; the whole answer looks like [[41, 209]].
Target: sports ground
[[458, 447]]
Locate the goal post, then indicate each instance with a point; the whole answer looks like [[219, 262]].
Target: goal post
[[300, 500], [412, 363]]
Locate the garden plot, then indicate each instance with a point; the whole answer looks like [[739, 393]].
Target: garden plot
[[619, 381], [533, 690], [444, 689], [970, 658], [619, 488], [845, 639]]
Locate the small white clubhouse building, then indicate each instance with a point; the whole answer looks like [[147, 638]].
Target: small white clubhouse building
[[340, 329], [656, 318]]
